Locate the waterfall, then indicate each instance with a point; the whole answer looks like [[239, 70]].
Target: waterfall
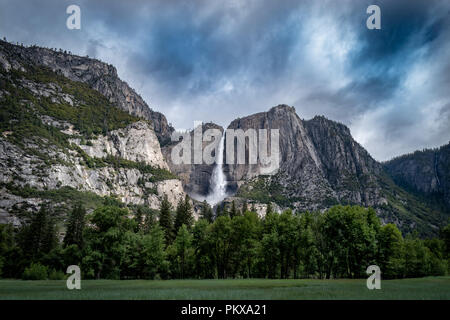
[[217, 182]]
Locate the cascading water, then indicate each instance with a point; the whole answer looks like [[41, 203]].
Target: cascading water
[[217, 182]]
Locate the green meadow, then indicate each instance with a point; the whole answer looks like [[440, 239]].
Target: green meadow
[[239, 289]]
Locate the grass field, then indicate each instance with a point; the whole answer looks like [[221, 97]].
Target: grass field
[[423, 288]]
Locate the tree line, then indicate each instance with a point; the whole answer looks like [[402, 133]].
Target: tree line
[[114, 243]]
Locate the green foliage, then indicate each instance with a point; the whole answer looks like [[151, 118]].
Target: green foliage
[[66, 197], [56, 275], [157, 174], [165, 218], [184, 214], [269, 209], [233, 211], [264, 189], [6, 244], [154, 255], [115, 244], [244, 207], [390, 242], [106, 241], [221, 247], [203, 260], [75, 226], [38, 237], [445, 235], [145, 218], [206, 212], [416, 213], [35, 271], [350, 241], [91, 114], [245, 242], [182, 253]]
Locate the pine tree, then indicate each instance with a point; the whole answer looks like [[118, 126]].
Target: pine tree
[[184, 214], [165, 218], [244, 207], [218, 212], [149, 222], [224, 211], [206, 212], [233, 212], [253, 209], [269, 208], [138, 217], [154, 254], [179, 215], [189, 215], [183, 244], [49, 240], [75, 226], [39, 235]]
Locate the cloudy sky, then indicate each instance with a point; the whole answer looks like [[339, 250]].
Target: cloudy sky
[[216, 60]]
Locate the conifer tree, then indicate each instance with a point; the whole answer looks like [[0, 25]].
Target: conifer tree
[[165, 218], [184, 214], [39, 235], [207, 212], [75, 226], [138, 217], [244, 207], [269, 208], [233, 211], [183, 245]]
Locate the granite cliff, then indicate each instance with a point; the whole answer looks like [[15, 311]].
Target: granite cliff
[[322, 165], [426, 173], [71, 130], [98, 75]]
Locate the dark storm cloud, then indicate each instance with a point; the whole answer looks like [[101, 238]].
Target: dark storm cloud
[[199, 53], [218, 60]]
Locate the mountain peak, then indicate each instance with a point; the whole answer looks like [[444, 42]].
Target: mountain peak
[[282, 108]]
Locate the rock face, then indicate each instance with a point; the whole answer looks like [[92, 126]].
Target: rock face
[[322, 165], [426, 172], [98, 75], [319, 160], [137, 142], [43, 150], [195, 177]]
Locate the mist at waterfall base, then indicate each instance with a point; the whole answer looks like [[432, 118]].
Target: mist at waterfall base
[[217, 182]]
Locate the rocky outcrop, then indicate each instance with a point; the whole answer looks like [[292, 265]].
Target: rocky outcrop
[[98, 75], [258, 207], [50, 154], [426, 172], [136, 143], [320, 163], [195, 177]]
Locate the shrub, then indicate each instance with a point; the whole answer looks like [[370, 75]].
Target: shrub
[[56, 275], [35, 271]]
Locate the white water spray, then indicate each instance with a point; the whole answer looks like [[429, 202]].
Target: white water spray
[[217, 181]]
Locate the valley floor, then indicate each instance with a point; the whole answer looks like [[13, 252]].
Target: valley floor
[[245, 289]]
